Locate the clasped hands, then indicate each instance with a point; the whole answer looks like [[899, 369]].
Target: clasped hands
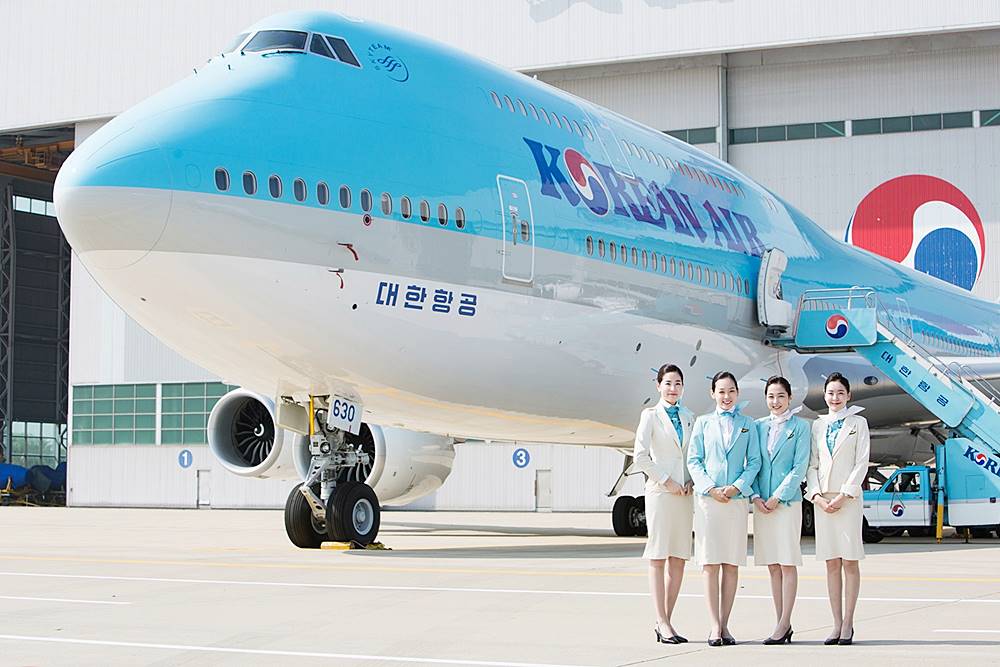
[[829, 506], [723, 493], [767, 506], [673, 487]]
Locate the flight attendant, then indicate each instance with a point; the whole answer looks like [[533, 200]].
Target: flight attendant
[[838, 466], [724, 458], [661, 444], [784, 441]]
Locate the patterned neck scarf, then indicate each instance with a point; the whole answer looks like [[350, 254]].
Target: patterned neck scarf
[[674, 413]]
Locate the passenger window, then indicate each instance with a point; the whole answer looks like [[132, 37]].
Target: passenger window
[[268, 40], [652, 261], [673, 266], [681, 274], [586, 128], [569, 128], [520, 107], [442, 214], [590, 245], [496, 100], [460, 217], [614, 253], [715, 277], [645, 260], [690, 271], [386, 203], [544, 115], [600, 247], [222, 179], [510, 105], [249, 183], [322, 193], [343, 51], [746, 285], [299, 189], [635, 257], [555, 121], [274, 186], [699, 274], [318, 46], [663, 263], [425, 210], [624, 254], [405, 207], [345, 197], [235, 44], [366, 201], [534, 111], [576, 128]]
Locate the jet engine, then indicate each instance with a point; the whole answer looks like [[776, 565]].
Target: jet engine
[[404, 465]]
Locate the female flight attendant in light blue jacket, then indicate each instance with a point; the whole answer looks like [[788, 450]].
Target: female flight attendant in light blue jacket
[[723, 460], [785, 443]]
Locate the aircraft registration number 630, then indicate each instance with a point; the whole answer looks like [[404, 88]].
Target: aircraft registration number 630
[[345, 415]]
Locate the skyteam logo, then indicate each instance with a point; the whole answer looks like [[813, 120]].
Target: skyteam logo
[[897, 510], [923, 222], [382, 58], [837, 326], [983, 460]]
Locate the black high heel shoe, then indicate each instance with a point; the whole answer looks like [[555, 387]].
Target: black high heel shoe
[[728, 641], [784, 639], [832, 641], [673, 639], [848, 641], [715, 642]]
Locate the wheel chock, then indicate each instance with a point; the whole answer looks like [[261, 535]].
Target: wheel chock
[[348, 546]]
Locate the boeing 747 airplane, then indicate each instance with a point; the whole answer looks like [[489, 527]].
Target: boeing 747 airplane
[[392, 245]]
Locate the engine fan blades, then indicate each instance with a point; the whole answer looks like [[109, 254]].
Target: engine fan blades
[[253, 432]]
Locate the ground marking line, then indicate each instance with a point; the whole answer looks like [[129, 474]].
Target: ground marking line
[[30, 599], [296, 654], [995, 632], [455, 570], [445, 589]]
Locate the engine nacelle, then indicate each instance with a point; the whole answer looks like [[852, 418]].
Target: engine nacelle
[[243, 435], [404, 466]]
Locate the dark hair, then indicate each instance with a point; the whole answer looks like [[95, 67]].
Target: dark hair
[[777, 379], [724, 374], [668, 368], [837, 377]]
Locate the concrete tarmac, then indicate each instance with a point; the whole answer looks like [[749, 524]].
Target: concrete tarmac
[[210, 587]]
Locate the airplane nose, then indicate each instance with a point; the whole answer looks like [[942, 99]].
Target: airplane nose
[[113, 203]]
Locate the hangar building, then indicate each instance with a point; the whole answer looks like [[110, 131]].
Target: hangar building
[[878, 113]]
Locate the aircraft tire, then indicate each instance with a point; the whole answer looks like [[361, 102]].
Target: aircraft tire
[[620, 518], [299, 522], [870, 535], [640, 503], [353, 514]]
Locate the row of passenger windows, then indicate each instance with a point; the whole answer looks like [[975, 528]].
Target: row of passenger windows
[[327, 46], [539, 114], [694, 173], [300, 191], [677, 268]]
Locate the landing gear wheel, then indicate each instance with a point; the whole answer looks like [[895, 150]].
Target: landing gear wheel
[[352, 514], [870, 535], [620, 516], [640, 516], [300, 525]]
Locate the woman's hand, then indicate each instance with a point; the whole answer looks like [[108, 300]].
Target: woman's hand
[[759, 504], [730, 491], [772, 504], [673, 487], [719, 494], [689, 488], [820, 502], [835, 504]]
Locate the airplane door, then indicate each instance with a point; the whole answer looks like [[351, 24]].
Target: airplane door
[[518, 230], [773, 311]]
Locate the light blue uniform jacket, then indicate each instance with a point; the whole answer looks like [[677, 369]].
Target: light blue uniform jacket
[[783, 471], [712, 463]]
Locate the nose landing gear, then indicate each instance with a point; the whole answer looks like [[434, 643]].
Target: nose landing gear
[[328, 505]]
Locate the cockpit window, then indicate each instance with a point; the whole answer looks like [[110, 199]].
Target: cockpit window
[[267, 40], [343, 51], [318, 45], [235, 44]]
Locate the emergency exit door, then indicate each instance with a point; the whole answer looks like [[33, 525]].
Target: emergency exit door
[[518, 225]]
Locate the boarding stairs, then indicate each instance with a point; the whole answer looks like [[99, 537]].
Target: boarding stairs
[[853, 320]]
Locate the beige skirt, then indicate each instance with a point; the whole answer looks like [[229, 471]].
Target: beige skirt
[[838, 535], [720, 531], [776, 535], [668, 519]]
